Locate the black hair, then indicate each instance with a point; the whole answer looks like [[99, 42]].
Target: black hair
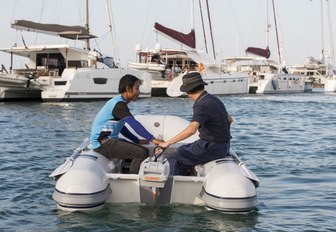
[[196, 89], [127, 80]]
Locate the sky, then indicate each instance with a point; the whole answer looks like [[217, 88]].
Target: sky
[[236, 25]]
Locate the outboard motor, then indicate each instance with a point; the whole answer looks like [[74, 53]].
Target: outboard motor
[[30, 77], [153, 174]]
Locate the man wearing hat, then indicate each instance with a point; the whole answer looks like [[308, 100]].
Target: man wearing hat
[[212, 121]]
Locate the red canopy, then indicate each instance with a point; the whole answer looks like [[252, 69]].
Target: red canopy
[[187, 39], [259, 51]]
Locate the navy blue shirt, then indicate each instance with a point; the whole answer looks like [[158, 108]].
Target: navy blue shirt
[[212, 116]]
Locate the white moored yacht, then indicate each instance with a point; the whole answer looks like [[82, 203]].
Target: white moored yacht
[[265, 75], [62, 72], [166, 82], [219, 83]]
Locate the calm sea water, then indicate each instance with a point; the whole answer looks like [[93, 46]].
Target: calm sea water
[[289, 141]]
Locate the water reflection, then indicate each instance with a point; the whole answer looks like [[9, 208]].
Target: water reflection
[[184, 217], [137, 217]]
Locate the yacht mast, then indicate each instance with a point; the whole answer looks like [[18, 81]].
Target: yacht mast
[[114, 43], [204, 35], [276, 32], [87, 41], [322, 32], [331, 40], [267, 24], [192, 15], [212, 40]]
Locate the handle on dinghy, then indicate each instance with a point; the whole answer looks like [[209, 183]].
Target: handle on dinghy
[[244, 170], [158, 154], [63, 168]]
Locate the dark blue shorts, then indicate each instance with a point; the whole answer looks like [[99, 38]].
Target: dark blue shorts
[[198, 152]]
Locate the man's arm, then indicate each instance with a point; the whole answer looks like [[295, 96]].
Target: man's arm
[[140, 130], [186, 133]]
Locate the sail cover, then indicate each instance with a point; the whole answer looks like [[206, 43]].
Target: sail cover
[[259, 51], [186, 39], [69, 32]]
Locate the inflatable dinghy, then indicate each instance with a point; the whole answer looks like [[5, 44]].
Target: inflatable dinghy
[[88, 180]]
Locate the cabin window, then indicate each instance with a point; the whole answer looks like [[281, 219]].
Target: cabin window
[[60, 82], [51, 61], [75, 63], [100, 80]]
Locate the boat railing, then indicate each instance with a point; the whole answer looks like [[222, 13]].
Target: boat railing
[[37, 72], [24, 72]]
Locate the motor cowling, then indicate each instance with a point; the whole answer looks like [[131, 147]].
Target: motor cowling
[[154, 172]]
